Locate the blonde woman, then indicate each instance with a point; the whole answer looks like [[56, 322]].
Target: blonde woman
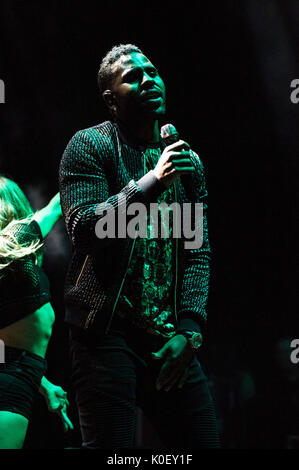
[[26, 314]]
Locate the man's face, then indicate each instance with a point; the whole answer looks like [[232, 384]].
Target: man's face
[[137, 88]]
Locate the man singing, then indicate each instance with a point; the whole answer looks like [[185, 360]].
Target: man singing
[[136, 306]]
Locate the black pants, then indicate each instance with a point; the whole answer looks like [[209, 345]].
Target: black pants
[[113, 374]]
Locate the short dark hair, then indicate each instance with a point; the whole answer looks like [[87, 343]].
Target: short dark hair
[[105, 72]]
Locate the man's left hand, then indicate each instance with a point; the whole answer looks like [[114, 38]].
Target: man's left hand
[[176, 355]]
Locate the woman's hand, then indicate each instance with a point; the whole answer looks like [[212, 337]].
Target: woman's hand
[[57, 402]]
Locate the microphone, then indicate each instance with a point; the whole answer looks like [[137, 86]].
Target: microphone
[[170, 135]]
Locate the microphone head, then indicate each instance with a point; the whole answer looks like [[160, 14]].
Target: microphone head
[[169, 134]]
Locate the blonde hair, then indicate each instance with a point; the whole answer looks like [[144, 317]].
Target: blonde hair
[[14, 208]]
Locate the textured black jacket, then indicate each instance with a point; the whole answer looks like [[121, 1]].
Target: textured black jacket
[[98, 167]]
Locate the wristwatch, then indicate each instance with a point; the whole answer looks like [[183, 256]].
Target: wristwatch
[[194, 338]]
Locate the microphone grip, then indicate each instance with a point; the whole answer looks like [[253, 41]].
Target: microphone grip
[[171, 139], [170, 135]]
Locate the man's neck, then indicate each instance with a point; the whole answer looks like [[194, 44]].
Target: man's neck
[[139, 132]]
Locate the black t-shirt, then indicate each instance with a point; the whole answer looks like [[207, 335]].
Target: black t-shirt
[[24, 287]]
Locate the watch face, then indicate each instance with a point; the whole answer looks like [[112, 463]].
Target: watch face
[[196, 340]]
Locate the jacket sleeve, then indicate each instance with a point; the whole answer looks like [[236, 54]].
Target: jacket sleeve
[[192, 313], [85, 171], [26, 232]]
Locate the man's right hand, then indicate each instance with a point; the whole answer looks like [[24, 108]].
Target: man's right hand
[[174, 162]]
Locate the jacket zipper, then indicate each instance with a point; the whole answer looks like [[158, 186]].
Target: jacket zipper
[[82, 269], [93, 312], [120, 288]]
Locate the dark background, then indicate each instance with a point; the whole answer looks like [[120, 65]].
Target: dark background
[[228, 68]]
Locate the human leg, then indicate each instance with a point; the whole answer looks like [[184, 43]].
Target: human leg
[[20, 378], [183, 418], [104, 379], [13, 429]]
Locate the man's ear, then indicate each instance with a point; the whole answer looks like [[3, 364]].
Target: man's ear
[[109, 99]]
